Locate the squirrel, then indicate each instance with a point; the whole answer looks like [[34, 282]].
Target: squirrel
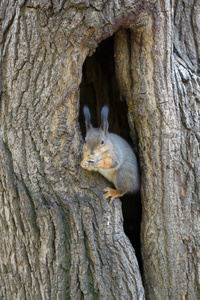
[[111, 156]]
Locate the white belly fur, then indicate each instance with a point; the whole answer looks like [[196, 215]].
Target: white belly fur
[[106, 173]]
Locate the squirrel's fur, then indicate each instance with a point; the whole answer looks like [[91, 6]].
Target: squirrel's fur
[[110, 155]]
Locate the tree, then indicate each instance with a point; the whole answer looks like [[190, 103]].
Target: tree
[[60, 239]]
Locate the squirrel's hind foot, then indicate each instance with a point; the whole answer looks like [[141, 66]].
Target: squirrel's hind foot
[[111, 193]]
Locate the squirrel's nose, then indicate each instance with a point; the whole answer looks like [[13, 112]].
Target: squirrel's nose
[[92, 152]]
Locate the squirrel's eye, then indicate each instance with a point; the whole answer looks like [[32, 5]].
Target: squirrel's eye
[[102, 142]]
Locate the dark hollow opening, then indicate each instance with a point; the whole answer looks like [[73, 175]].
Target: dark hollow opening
[[99, 87]]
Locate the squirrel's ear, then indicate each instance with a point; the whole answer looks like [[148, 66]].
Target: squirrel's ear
[[87, 115], [104, 119]]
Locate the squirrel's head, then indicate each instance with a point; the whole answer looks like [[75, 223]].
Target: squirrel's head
[[96, 140]]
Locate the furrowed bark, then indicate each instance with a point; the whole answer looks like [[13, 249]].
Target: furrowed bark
[[165, 107], [60, 239]]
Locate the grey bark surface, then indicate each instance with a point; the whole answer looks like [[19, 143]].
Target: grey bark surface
[[59, 238], [164, 102]]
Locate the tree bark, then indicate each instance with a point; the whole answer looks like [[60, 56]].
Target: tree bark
[[165, 101], [59, 238]]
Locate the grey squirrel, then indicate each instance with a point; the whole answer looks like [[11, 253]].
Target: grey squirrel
[[110, 155]]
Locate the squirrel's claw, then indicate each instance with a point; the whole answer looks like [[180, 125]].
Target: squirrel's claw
[[110, 193]]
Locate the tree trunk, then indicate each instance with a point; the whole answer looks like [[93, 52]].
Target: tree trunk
[[60, 238], [166, 107], [166, 110]]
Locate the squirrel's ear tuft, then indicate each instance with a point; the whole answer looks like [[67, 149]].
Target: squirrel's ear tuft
[[87, 115], [104, 119]]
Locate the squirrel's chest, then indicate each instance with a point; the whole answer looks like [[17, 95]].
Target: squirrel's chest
[[108, 174]]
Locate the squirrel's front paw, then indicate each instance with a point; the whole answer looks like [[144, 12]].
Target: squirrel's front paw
[[84, 164], [99, 164], [87, 164]]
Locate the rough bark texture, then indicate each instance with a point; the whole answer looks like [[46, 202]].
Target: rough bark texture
[[165, 104], [59, 238]]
